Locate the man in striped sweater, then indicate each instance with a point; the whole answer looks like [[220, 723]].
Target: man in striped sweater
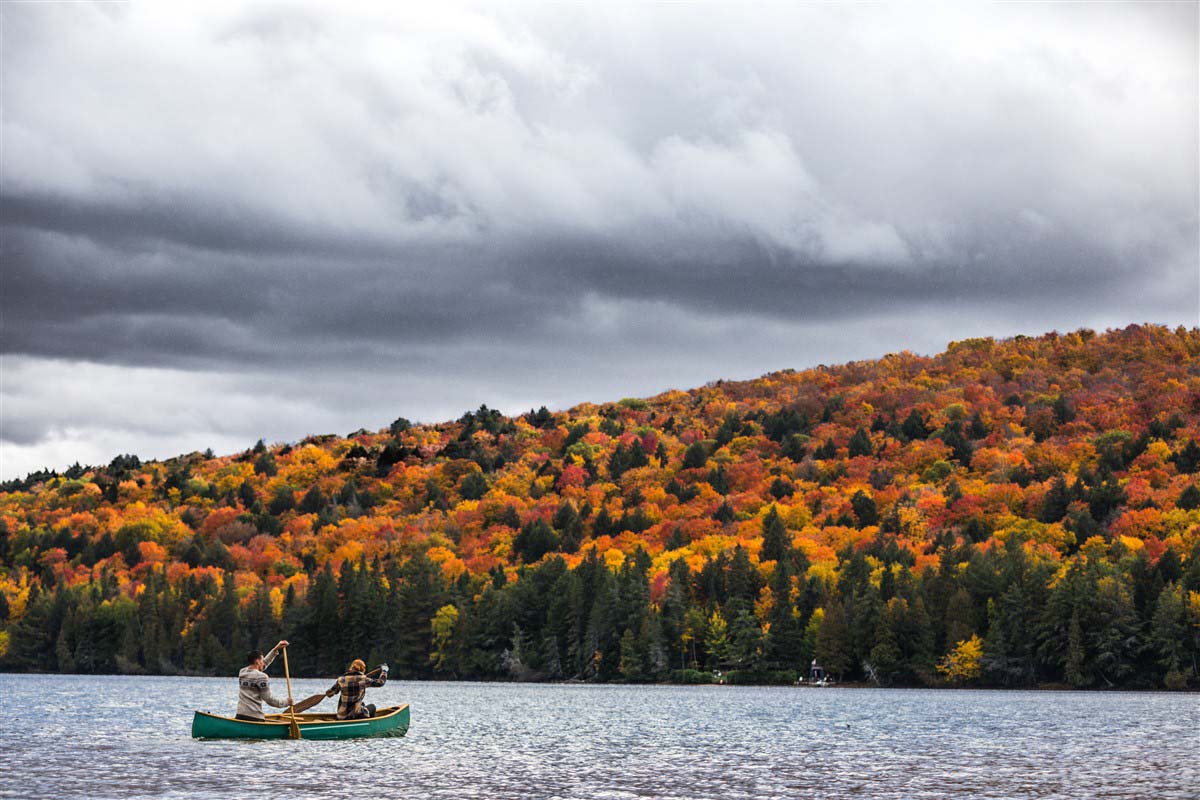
[[254, 687]]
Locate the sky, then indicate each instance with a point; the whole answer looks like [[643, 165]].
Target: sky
[[225, 222]]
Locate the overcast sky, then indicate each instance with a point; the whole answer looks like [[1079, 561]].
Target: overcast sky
[[226, 222]]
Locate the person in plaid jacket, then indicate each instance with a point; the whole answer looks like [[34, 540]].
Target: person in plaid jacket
[[353, 688]]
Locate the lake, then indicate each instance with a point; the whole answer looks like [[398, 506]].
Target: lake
[[116, 737]]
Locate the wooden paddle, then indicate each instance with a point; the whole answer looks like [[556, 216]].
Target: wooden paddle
[[312, 700], [308, 702], [294, 729]]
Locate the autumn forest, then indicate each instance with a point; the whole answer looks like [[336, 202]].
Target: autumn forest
[[1021, 512]]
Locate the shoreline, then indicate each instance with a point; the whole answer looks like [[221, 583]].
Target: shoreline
[[1050, 688]]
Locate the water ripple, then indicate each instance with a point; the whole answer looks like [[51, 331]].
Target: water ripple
[[122, 737]]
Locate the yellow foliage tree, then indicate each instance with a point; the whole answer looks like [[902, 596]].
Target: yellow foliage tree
[[442, 626], [963, 663]]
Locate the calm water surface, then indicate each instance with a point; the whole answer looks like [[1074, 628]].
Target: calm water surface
[[117, 737]]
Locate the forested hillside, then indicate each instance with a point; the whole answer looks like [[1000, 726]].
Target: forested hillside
[[1007, 513]]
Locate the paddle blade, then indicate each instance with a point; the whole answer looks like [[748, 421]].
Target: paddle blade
[[294, 730], [308, 702]]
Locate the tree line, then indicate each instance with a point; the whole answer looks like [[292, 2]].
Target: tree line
[[1106, 617]]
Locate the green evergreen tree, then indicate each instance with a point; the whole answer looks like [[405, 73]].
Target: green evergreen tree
[[744, 581], [864, 509], [473, 487], [960, 615], [421, 593], [1168, 632], [782, 489], [696, 456], [1058, 498], [1189, 498], [1076, 667], [886, 657], [745, 637], [785, 638], [535, 540], [730, 428], [914, 426], [860, 443], [777, 544], [833, 644]]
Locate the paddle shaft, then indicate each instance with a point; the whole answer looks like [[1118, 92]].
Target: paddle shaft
[[287, 674]]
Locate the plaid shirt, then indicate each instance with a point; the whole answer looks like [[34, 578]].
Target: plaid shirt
[[353, 688]]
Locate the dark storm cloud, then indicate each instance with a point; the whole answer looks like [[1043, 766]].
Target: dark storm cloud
[[140, 221], [525, 207], [211, 308]]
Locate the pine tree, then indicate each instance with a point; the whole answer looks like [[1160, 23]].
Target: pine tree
[[784, 637], [1168, 632], [716, 639], [728, 430], [1058, 498], [782, 489], [914, 426], [421, 593], [1189, 498], [959, 618], [696, 456], [744, 580], [860, 443], [886, 657], [474, 486], [1076, 657], [744, 636], [535, 540], [864, 509], [777, 543], [833, 641]]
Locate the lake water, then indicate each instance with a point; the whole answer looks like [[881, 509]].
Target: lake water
[[116, 737]]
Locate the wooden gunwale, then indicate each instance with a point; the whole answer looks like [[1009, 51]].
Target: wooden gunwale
[[302, 719]]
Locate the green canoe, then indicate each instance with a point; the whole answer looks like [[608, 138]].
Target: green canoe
[[391, 721]]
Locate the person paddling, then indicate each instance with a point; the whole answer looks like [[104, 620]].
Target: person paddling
[[254, 686], [353, 688]]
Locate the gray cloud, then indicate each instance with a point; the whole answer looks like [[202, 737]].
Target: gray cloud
[[523, 207]]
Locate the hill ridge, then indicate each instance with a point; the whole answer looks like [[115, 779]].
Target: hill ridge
[[877, 515]]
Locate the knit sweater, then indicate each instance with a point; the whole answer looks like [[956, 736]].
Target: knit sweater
[[254, 690]]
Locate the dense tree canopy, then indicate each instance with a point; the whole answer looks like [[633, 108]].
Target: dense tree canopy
[[1006, 513]]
